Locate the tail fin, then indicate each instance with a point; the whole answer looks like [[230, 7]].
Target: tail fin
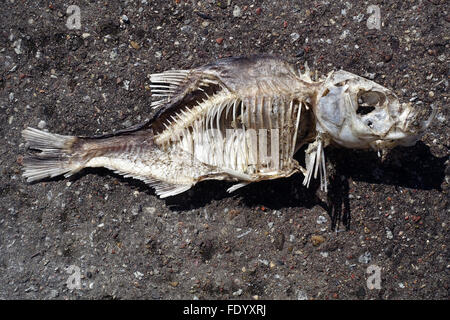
[[54, 156]]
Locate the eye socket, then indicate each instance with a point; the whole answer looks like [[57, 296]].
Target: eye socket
[[368, 101], [370, 98], [363, 110]]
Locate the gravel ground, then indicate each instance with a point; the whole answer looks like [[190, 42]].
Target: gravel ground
[[270, 240]]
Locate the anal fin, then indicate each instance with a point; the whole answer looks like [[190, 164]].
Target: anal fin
[[162, 189], [236, 186]]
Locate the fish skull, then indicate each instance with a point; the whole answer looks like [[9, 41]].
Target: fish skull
[[355, 112]]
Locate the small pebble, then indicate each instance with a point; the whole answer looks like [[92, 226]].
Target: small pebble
[[237, 12], [387, 57], [53, 293], [124, 19], [113, 54], [264, 262], [344, 34], [150, 210], [301, 295], [219, 40], [126, 84], [389, 234], [237, 293], [135, 45], [42, 124], [365, 258], [321, 219], [222, 4], [294, 36], [370, 75], [17, 46], [136, 210], [186, 29], [317, 240], [300, 53]]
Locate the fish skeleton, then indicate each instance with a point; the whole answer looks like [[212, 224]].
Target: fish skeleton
[[238, 119]]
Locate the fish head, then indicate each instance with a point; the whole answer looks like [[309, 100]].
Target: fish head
[[355, 112]]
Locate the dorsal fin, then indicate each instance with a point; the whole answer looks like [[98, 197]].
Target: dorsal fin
[[181, 91], [172, 86], [165, 85]]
